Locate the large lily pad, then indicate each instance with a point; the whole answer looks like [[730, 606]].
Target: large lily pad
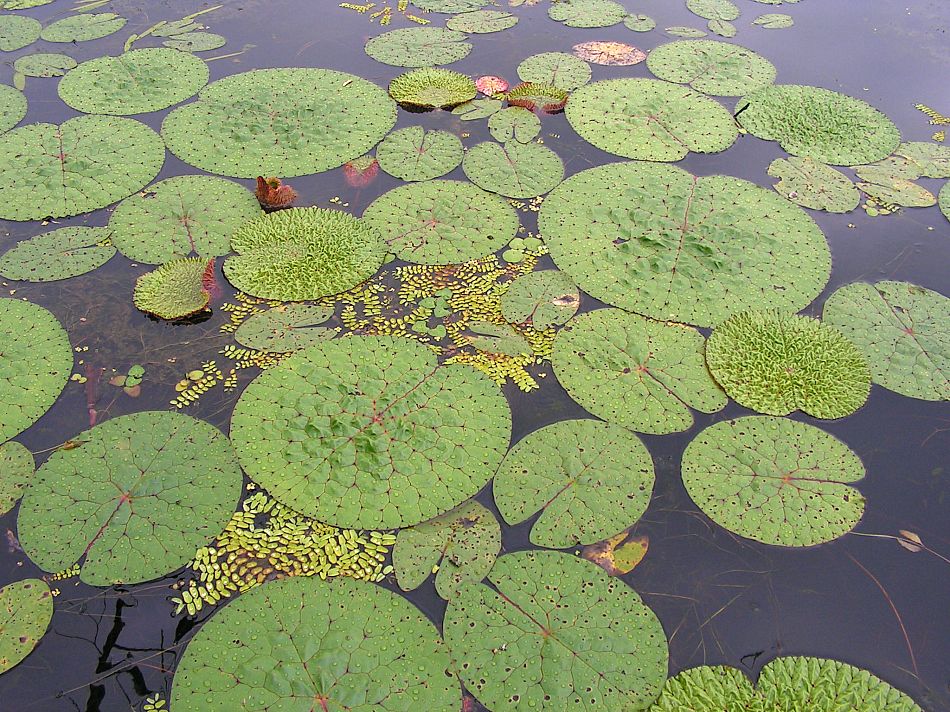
[[83, 27], [35, 361], [286, 328], [415, 154], [12, 107], [774, 480], [135, 82], [547, 297], [482, 21], [303, 253], [658, 241], [305, 644], [449, 6], [713, 9], [134, 501], [418, 47], [587, 13], [44, 64], [432, 87], [649, 120], [588, 479], [26, 609], [181, 216], [442, 221], [17, 32], [283, 122], [513, 169], [642, 374], [371, 432], [60, 254], [712, 67], [16, 471], [902, 329], [176, 289], [555, 633], [812, 184], [818, 123], [560, 69]]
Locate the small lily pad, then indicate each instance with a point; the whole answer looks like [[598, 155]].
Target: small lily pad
[[712, 67], [449, 6], [285, 328], [175, 290], [477, 109], [17, 32], [546, 298], [683, 31], [44, 64], [513, 169], [639, 23], [615, 54], [482, 21], [60, 254], [12, 107], [559, 69], [429, 87], [84, 27], [26, 609], [418, 47], [16, 471], [722, 28], [774, 21], [901, 192], [587, 13], [414, 154], [514, 123], [943, 200], [195, 41], [496, 338], [814, 185]]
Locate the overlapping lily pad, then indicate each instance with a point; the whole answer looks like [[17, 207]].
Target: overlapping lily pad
[[683, 31], [60, 254], [656, 240], [442, 221], [371, 432], [415, 154], [514, 123], [44, 64], [930, 160], [513, 169], [26, 609], [722, 28], [16, 471], [17, 32], [649, 120], [815, 185], [900, 192], [482, 21], [176, 289], [559, 69], [712, 67], [83, 27], [418, 47], [286, 328], [449, 6], [642, 374], [713, 9], [555, 633], [283, 122], [546, 298], [904, 332], [429, 87], [587, 13], [639, 22], [943, 200], [134, 501], [12, 107], [195, 41]]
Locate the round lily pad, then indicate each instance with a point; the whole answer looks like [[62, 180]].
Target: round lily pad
[[547, 298], [418, 47], [555, 633], [774, 21], [722, 28], [656, 240], [559, 69], [181, 216], [34, 370], [442, 221], [135, 82], [303, 253], [541, 97], [514, 123], [774, 480], [642, 374], [943, 200], [82, 164], [482, 21], [44, 64], [12, 107], [415, 154], [713, 9], [776, 363], [712, 67], [513, 169], [649, 120], [904, 332], [283, 122], [26, 609], [587, 13], [60, 254], [588, 479], [818, 123], [306, 644], [175, 290], [371, 432], [16, 471], [136, 499], [430, 87], [449, 6], [639, 23], [80, 28], [17, 32], [815, 185], [285, 328], [195, 41]]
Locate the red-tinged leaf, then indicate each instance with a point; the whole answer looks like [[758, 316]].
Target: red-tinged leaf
[[272, 194], [489, 85], [609, 53], [360, 172]]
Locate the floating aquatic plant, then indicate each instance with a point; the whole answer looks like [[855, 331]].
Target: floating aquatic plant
[[490, 85], [82, 28], [176, 289], [482, 21], [415, 154], [16, 471], [12, 107], [616, 54], [684, 31], [617, 555], [362, 171], [515, 123], [558, 69], [513, 169], [273, 194], [17, 32], [774, 21], [430, 87], [418, 47], [60, 254], [286, 328], [546, 98], [41, 64], [712, 67], [546, 298], [815, 185], [26, 609], [639, 22], [587, 13]]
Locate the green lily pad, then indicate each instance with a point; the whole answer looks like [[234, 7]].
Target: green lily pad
[[482, 21], [301, 643], [722, 28], [22, 4], [515, 170], [649, 120], [26, 609], [555, 633], [656, 240], [44, 64], [283, 122], [683, 31], [642, 374], [713, 9], [81, 28], [175, 290], [514, 123], [430, 87], [814, 185], [711, 67], [136, 499], [414, 154], [60, 254], [449, 6], [195, 41], [17, 32], [286, 328], [639, 23], [943, 200], [588, 479], [477, 109], [899, 192], [818, 123], [33, 371], [546, 298], [904, 332], [708, 688], [418, 47], [135, 82], [12, 107], [496, 338], [16, 471], [82, 164], [371, 432], [181, 216], [587, 13], [930, 160], [774, 480], [560, 69], [465, 540], [442, 221], [774, 21]]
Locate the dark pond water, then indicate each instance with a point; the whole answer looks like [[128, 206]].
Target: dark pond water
[[721, 599]]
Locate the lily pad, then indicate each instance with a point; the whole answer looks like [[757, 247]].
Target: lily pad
[[477, 109], [899, 192], [430, 87], [134, 501], [707, 688], [60, 254], [888, 169], [904, 332], [683, 31], [943, 200], [22, 4], [16, 471], [285, 328], [814, 185], [649, 120], [418, 47], [617, 54], [195, 41], [713, 9], [26, 609], [546, 298], [181, 216], [513, 169], [559, 69], [555, 633], [302, 643], [587, 13], [541, 97], [656, 240], [415, 154], [818, 123], [496, 338], [774, 480], [371, 432], [283, 122], [931, 160], [175, 290], [774, 21], [482, 21], [711, 67], [442, 222], [84, 27], [449, 6], [44, 64], [722, 28], [17, 32], [514, 123], [639, 23], [33, 371], [465, 540], [642, 374], [12, 107]]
